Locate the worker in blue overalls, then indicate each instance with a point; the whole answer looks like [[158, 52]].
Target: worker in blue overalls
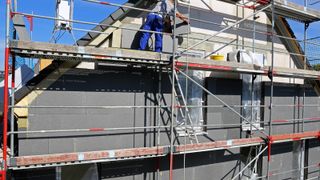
[[155, 22]]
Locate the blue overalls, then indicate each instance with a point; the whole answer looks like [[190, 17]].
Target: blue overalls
[[154, 23]]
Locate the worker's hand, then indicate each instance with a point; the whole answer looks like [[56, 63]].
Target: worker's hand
[[183, 18], [186, 20]]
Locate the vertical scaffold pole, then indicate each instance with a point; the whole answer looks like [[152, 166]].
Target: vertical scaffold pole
[[13, 67], [159, 111], [12, 105], [6, 91], [306, 25], [186, 92], [302, 149], [15, 5], [172, 90], [271, 85]]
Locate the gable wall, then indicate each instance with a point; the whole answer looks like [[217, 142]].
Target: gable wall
[[227, 15]]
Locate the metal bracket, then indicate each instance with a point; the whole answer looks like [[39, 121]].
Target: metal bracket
[[306, 25], [269, 143], [270, 74], [254, 77], [166, 150], [12, 162]]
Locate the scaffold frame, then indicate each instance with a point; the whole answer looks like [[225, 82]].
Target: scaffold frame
[[172, 64]]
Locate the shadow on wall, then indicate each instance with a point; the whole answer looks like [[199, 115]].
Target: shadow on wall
[[136, 41], [106, 79]]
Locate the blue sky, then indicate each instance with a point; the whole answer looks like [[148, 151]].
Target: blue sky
[[313, 30], [94, 13], [43, 28]]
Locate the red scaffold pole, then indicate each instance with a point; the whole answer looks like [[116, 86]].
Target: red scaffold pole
[[6, 92]]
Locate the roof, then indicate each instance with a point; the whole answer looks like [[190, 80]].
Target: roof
[[117, 15]]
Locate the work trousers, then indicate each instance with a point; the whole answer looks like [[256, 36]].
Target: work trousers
[[154, 23]]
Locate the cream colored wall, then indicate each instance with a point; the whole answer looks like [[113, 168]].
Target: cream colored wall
[[281, 59]]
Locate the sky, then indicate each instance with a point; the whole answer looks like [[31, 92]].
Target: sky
[[298, 28], [42, 29], [94, 13]]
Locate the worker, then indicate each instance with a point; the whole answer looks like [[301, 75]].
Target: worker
[[155, 22]]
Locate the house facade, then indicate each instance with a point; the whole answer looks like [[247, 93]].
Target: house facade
[[79, 96]]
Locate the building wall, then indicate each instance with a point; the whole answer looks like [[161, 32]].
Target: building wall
[[313, 158], [291, 95], [119, 87], [210, 23], [220, 165], [96, 88], [126, 87]]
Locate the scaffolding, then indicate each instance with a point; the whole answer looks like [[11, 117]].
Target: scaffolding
[[178, 64]]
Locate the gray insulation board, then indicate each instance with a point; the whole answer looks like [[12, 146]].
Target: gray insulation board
[[134, 88], [101, 88], [291, 95], [93, 87]]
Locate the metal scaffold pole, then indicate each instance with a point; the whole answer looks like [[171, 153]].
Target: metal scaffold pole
[[158, 123], [6, 91], [271, 85], [306, 25], [174, 48], [302, 147], [138, 60], [12, 106], [187, 91], [253, 160]]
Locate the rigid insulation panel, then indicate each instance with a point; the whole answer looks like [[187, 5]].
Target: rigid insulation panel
[[96, 88], [287, 111], [312, 161], [288, 158], [223, 164], [311, 112], [229, 91], [282, 160]]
